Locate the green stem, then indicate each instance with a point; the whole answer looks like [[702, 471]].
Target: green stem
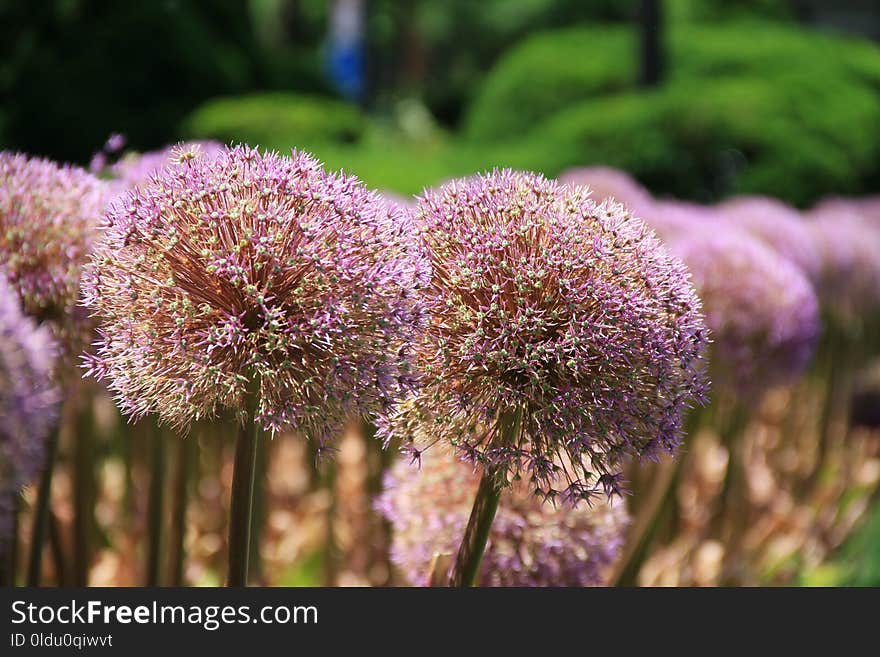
[[41, 511], [331, 549], [9, 544], [242, 502], [658, 509], [126, 440], [378, 461], [647, 522], [83, 491], [178, 512], [258, 510], [154, 507], [56, 544], [476, 534], [473, 544]]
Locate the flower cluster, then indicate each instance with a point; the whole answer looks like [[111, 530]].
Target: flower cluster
[[867, 208], [760, 307], [531, 543], [248, 267], [777, 225], [48, 218], [28, 398], [562, 336], [849, 279], [672, 218]]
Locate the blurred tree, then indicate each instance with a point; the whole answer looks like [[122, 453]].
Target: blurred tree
[[75, 70], [652, 42], [440, 51]]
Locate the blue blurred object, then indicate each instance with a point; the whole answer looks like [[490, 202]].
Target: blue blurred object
[[345, 49]]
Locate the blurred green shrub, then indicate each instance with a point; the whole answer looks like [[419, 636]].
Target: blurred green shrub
[[271, 119], [547, 72], [746, 108], [711, 138]]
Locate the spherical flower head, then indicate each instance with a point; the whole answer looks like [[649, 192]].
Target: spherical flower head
[[531, 543], [253, 268], [760, 307], [606, 182], [849, 279], [777, 225], [136, 169], [866, 208], [28, 398], [673, 219], [48, 219], [562, 337]]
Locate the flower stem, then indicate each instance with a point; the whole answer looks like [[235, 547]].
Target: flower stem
[[258, 510], [476, 534], [9, 542], [56, 545], [83, 489], [178, 512], [473, 544], [154, 506], [242, 502], [41, 511]]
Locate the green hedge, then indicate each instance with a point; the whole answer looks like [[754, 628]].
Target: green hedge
[[706, 139], [746, 108], [548, 72], [274, 119]]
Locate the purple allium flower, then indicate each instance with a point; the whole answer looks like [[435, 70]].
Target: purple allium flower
[[115, 143], [675, 219], [569, 314], [248, 266], [760, 307], [136, 169], [777, 225], [28, 398], [867, 208], [849, 279], [531, 543], [606, 182], [48, 218]]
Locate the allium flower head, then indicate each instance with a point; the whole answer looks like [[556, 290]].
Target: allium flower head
[[778, 226], [48, 217], [567, 319], [606, 182], [138, 168], [760, 307], [248, 266], [28, 399], [849, 279], [675, 219], [866, 208], [531, 543]]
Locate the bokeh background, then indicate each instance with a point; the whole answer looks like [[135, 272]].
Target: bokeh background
[[696, 99]]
